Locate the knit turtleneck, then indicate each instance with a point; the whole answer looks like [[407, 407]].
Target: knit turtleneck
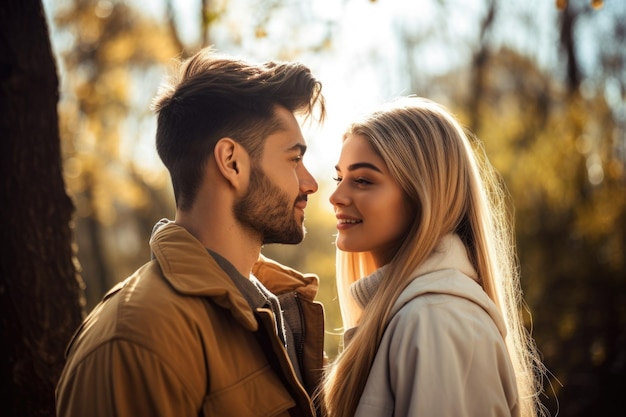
[[450, 253], [363, 290]]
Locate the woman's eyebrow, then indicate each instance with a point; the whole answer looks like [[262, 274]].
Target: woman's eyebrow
[[359, 165]]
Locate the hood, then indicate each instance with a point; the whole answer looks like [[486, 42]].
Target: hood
[[448, 271]]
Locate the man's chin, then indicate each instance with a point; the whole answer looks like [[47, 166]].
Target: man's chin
[[285, 240]]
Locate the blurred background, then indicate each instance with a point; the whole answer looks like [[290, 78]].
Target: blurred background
[[541, 82]]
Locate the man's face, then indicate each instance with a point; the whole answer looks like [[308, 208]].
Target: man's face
[[279, 186]]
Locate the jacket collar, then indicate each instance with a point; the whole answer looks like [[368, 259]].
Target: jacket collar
[[190, 269], [280, 279]]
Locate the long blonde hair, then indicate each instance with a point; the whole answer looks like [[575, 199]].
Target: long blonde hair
[[454, 190]]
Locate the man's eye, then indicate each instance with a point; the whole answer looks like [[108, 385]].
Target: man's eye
[[337, 179]]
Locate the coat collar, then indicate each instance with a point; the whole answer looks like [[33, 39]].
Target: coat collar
[[450, 253], [446, 271]]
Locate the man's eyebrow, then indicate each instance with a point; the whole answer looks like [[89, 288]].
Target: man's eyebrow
[[359, 165], [298, 147]]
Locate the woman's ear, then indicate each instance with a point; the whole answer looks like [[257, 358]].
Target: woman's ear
[[232, 161]]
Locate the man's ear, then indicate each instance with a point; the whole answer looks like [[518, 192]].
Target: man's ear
[[232, 161]]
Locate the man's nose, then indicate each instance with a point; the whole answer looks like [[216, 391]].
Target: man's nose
[[308, 185]]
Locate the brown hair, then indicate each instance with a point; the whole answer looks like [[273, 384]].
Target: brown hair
[[211, 96]]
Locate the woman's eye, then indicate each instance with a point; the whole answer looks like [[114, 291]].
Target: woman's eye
[[357, 181]]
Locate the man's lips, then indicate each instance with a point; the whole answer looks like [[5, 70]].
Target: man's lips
[[301, 202]]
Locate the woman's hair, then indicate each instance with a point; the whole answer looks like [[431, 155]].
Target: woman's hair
[[454, 189], [211, 96]]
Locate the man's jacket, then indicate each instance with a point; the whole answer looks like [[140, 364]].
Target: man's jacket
[[178, 339]]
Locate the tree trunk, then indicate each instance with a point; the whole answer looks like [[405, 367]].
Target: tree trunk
[[568, 47], [40, 290]]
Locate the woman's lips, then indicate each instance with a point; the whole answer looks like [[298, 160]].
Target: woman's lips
[[346, 222]]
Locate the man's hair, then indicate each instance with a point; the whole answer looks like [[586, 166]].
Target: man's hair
[[211, 96]]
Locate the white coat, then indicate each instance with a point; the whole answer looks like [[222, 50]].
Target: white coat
[[443, 352]]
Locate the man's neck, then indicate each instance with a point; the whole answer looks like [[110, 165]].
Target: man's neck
[[226, 237]]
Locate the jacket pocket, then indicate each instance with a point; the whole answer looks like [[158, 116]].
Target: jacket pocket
[[260, 394]]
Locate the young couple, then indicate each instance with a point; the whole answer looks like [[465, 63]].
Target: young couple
[[426, 276]]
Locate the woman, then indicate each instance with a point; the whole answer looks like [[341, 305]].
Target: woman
[[426, 276]]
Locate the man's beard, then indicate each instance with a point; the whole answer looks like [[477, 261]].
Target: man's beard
[[267, 210]]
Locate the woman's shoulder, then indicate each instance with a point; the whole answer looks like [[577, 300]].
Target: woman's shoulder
[[439, 289], [458, 307]]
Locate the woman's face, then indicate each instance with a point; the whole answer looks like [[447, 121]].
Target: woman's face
[[373, 213]]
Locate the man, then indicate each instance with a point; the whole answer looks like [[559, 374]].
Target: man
[[209, 326]]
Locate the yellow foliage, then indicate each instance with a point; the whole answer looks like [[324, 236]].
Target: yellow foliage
[[120, 51], [599, 216], [101, 68], [567, 326], [260, 32], [114, 85]]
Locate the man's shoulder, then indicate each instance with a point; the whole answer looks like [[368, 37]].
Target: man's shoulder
[[143, 300]]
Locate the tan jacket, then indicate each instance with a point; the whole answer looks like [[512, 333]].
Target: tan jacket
[[178, 339]]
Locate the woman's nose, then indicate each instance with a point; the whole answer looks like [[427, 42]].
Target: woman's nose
[[338, 197]]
